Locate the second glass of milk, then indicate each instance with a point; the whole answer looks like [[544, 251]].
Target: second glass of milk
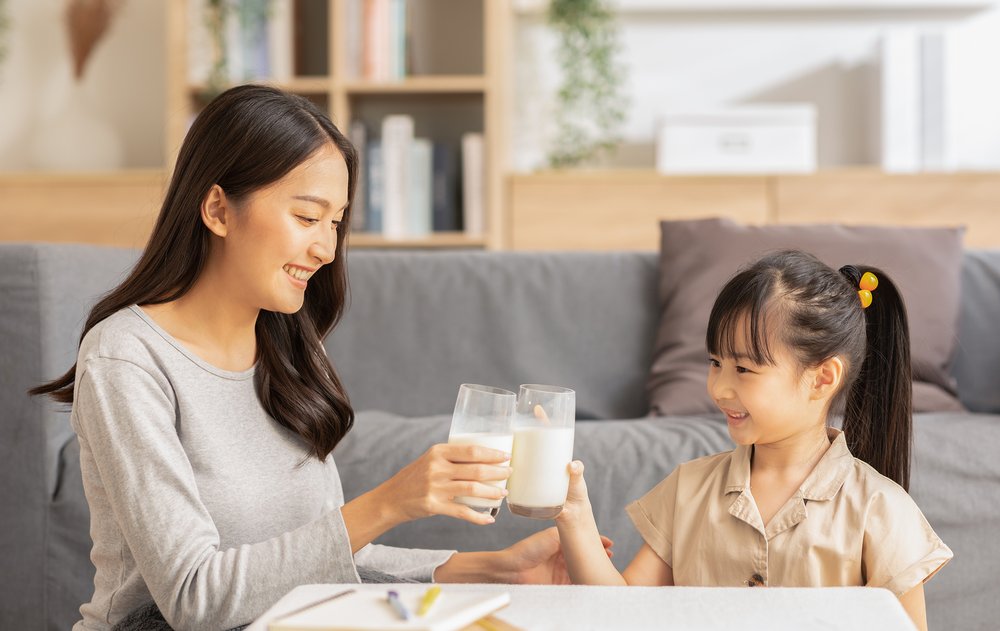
[[543, 449], [483, 416]]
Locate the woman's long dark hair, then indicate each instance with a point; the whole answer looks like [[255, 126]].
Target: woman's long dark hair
[[246, 138], [816, 313]]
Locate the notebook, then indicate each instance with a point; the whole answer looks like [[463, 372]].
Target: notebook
[[368, 610]]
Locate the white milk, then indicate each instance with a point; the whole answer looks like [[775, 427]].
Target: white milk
[[501, 442], [539, 458]]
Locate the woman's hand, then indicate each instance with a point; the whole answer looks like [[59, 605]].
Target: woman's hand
[[428, 485], [536, 559]]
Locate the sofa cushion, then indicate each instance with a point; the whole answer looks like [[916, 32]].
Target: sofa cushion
[[421, 323], [977, 361], [698, 257]]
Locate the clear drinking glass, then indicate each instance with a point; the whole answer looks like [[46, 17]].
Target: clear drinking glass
[[543, 448], [483, 416]]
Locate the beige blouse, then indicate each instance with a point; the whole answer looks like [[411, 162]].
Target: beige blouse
[[846, 526]]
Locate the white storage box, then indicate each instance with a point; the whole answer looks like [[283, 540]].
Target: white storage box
[[745, 139]]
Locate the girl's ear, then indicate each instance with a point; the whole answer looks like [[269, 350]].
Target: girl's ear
[[827, 378], [216, 212]]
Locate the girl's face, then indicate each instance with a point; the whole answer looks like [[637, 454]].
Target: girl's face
[[763, 403], [283, 233]]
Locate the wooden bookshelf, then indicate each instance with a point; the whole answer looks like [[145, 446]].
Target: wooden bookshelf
[[444, 105]]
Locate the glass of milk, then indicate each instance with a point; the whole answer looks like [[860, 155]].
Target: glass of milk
[[543, 449], [483, 416]]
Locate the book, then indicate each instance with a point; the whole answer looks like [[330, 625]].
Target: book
[[375, 183], [473, 185], [359, 208], [444, 205], [280, 39], [369, 609], [419, 199], [397, 139]]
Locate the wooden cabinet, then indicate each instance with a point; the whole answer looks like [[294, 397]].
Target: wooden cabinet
[[620, 210], [459, 87]]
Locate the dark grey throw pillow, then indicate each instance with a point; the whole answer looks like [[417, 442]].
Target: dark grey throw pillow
[[698, 257]]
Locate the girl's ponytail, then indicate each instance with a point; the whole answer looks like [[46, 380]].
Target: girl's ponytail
[[878, 418]]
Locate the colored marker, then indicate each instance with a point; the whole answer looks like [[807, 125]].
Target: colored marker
[[393, 599], [428, 600]]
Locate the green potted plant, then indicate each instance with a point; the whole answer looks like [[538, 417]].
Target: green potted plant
[[3, 30], [590, 103], [251, 15]]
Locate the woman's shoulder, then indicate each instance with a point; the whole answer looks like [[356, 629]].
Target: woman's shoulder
[[124, 335]]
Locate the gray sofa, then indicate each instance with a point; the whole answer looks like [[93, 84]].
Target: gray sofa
[[420, 324]]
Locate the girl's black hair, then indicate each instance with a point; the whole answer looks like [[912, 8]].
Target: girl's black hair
[[246, 138], [793, 298]]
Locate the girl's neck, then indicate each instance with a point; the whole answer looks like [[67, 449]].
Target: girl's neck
[[794, 454]]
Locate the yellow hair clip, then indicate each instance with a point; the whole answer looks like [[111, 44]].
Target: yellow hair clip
[[868, 284]]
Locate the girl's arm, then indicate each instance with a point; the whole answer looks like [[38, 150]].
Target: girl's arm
[[586, 560], [913, 603]]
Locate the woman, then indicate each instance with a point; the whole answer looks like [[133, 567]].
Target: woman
[[206, 407]]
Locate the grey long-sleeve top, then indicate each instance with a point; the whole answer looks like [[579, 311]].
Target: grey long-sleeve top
[[199, 500]]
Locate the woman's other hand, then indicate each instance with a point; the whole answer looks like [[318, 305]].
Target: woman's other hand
[[536, 559]]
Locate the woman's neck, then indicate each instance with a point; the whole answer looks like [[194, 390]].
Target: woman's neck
[[211, 323]]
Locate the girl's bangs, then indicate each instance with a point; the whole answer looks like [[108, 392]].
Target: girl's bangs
[[743, 308]]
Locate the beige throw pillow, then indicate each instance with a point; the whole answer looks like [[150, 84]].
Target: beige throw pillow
[[698, 257]]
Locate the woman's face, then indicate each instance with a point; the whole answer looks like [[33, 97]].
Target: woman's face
[[283, 233]]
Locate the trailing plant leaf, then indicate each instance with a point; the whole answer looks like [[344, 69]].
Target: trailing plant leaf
[[217, 13], [591, 107], [4, 24]]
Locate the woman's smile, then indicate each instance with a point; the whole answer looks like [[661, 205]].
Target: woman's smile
[[298, 275]]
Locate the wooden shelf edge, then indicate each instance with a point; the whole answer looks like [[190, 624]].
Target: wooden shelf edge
[[436, 240], [460, 84], [297, 85], [97, 178]]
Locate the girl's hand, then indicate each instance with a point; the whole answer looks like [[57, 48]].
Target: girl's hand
[[577, 504], [428, 485]]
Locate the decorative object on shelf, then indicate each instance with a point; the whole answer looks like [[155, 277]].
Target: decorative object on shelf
[[87, 21], [590, 103], [74, 135], [772, 138]]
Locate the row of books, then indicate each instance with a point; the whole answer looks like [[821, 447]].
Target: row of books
[[379, 38], [258, 39], [410, 187]]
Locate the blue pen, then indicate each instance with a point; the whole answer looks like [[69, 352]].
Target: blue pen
[[393, 599]]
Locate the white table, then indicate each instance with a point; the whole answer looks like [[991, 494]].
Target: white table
[[578, 607]]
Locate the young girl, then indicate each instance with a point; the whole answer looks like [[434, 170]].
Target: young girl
[[797, 503], [207, 410]]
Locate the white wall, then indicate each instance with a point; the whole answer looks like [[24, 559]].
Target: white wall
[[693, 58], [124, 80]]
